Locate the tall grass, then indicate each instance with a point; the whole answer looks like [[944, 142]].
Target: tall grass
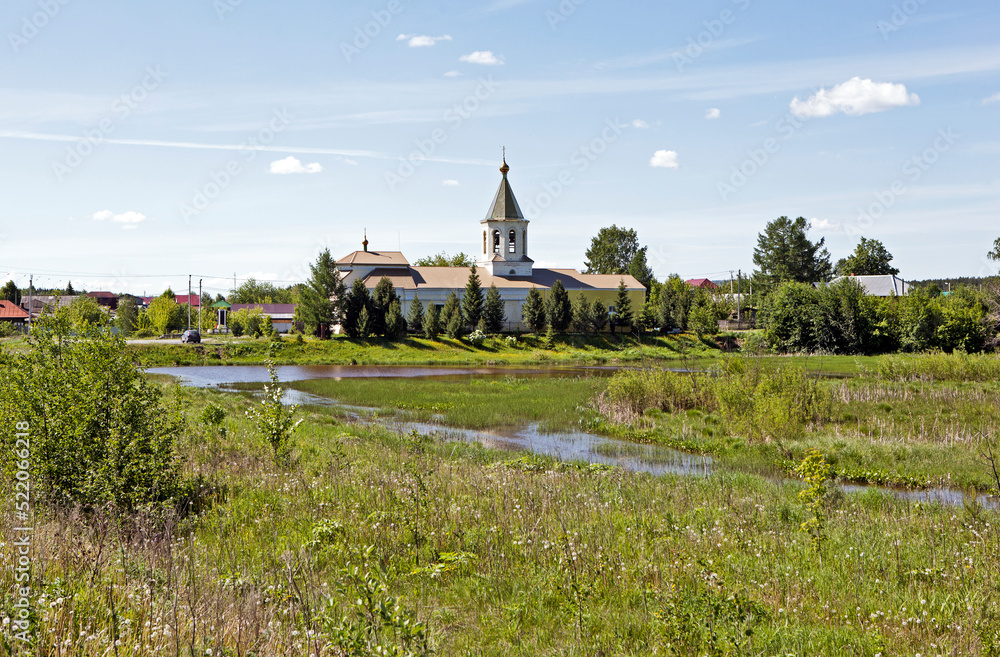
[[936, 367], [498, 556]]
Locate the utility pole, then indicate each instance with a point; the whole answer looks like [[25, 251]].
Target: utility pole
[[739, 276], [199, 304], [31, 289], [730, 281], [189, 302]]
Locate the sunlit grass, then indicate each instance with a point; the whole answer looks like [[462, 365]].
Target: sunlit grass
[[502, 555]]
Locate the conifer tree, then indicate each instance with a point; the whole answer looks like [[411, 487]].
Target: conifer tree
[[493, 311], [382, 298], [322, 298], [432, 322], [623, 307], [358, 299], [364, 323], [395, 325], [558, 309], [472, 300], [583, 319], [415, 317], [533, 311], [599, 315], [451, 309]]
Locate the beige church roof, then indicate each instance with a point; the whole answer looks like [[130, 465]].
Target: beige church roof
[[374, 258], [417, 278]]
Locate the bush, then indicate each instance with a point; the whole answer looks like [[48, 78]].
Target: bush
[[98, 432], [477, 338]]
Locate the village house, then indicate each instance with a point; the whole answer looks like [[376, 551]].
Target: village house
[[880, 286], [502, 260]]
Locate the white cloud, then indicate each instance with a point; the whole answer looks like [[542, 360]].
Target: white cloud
[[484, 57], [665, 160], [129, 218], [421, 40], [995, 98], [452, 74], [854, 98], [450, 183], [823, 224], [348, 160], [639, 123], [291, 164], [713, 113]]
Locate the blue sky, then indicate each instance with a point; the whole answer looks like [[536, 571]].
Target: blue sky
[[142, 142]]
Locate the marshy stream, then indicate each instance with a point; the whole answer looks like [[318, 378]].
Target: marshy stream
[[571, 446]]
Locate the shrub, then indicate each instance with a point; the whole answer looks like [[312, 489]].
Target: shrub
[[98, 432], [273, 419], [477, 338]]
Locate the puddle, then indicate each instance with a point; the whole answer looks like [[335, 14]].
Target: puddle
[[573, 446]]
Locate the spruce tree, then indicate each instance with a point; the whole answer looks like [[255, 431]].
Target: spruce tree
[[321, 299], [533, 311], [558, 309], [472, 300], [432, 322], [450, 311], [358, 299], [395, 325], [415, 317], [599, 315], [583, 319], [455, 325], [69, 289], [364, 323], [382, 298], [623, 307], [493, 311]]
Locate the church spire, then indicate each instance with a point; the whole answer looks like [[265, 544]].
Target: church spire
[[504, 204]]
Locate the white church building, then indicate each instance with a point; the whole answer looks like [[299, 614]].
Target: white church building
[[502, 261]]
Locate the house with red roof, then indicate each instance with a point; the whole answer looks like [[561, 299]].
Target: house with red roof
[[11, 312], [703, 283]]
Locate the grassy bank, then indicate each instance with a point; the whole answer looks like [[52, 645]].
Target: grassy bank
[[881, 427], [366, 533], [341, 350]]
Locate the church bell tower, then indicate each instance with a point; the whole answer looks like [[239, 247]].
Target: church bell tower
[[505, 234]]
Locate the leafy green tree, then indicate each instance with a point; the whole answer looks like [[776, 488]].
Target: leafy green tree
[[143, 326], [788, 316], [254, 291], [382, 298], [494, 315], [870, 258], [623, 308], [444, 260], [785, 253], [164, 313], [558, 309], [237, 322], [322, 298], [432, 322], [583, 318], [451, 310], [533, 311], [127, 315], [703, 321], [472, 300], [395, 325], [599, 315], [415, 316], [100, 434], [85, 310], [616, 250], [358, 299], [11, 293]]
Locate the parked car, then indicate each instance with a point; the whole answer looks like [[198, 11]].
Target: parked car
[[191, 336]]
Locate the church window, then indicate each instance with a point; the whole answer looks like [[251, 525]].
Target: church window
[[512, 242], [496, 241], [484, 242]]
